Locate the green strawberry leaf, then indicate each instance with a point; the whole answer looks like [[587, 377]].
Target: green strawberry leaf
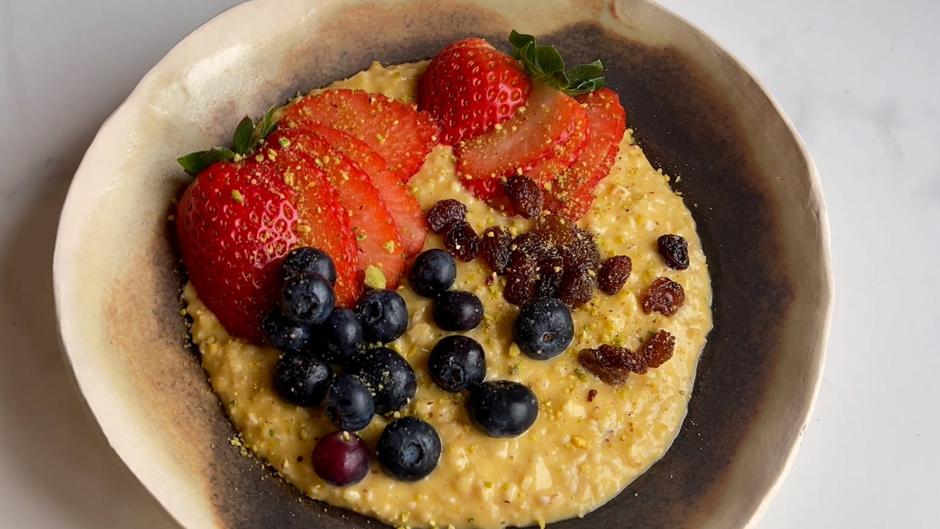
[[546, 64], [194, 162], [242, 139], [248, 135]]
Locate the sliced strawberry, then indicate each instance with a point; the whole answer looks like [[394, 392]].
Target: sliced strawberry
[[234, 224], [372, 225], [401, 203], [323, 222], [397, 131], [572, 192], [549, 120], [469, 87]]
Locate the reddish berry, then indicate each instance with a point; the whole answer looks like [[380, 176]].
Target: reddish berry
[[341, 458]]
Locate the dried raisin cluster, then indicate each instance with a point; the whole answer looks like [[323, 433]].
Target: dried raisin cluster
[[613, 364]]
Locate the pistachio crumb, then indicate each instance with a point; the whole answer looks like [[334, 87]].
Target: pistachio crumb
[[375, 278]]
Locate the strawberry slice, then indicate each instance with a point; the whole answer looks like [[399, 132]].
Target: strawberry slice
[[234, 224], [372, 225], [548, 122], [323, 222], [572, 192], [401, 203], [397, 131]]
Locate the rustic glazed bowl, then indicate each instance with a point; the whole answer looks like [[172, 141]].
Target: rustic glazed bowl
[[697, 113]]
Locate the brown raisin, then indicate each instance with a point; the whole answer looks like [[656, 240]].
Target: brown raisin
[[555, 228], [611, 364], [531, 244], [461, 241], [521, 276], [581, 251], [444, 213], [591, 394], [551, 271], [525, 195], [577, 287], [664, 296], [614, 273], [494, 247], [675, 251], [658, 349]]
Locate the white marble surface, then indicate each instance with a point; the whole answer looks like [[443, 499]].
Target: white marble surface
[[860, 80]]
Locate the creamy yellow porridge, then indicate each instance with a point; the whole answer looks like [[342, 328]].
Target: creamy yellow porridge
[[580, 452]]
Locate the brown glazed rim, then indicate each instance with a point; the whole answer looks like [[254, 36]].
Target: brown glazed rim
[[126, 346]]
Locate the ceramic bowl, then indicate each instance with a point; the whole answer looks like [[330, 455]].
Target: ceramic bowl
[[697, 113]]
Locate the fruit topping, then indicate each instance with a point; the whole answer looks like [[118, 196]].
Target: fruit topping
[[401, 203], [502, 408], [551, 272], [612, 364], [461, 241], [301, 379], [524, 195], [456, 310], [389, 377], [546, 64], [343, 336], [572, 191], [432, 273], [395, 130], [444, 213], [664, 296], [372, 225], [675, 251], [307, 298], [284, 334], [409, 449], [544, 328], [348, 403], [614, 273], [577, 287], [494, 248], [550, 119], [457, 363], [521, 278], [383, 314], [658, 349], [306, 260], [341, 458], [469, 87]]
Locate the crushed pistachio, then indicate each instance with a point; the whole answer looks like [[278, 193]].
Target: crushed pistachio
[[375, 278], [237, 196]]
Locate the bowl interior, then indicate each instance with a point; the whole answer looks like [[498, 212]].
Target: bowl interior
[[697, 114]]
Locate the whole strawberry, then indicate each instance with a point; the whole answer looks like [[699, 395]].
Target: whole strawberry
[[234, 224], [470, 87]]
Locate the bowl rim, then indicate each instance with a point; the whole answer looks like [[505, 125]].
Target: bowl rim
[[73, 208]]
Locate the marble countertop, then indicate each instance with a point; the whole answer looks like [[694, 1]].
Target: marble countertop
[[859, 79]]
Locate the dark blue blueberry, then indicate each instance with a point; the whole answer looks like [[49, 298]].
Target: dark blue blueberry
[[456, 310], [284, 334], [342, 336], [433, 272], [348, 403], [502, 408], [409, 448], [383, 314], [543, 328], [457, 363], [307, 298], [306, 260], [302, 379], [389, 377]]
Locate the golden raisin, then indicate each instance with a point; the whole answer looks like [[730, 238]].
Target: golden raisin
[[494, 247], [610, 363], [664, 296], [461, 241], [658, 349], [525, 195], [614, 273]]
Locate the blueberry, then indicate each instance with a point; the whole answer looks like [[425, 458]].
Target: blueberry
[[543, 328], [384, 315], [341, 458], [433, 272], [342, 336], [307, 298], [284, 334], [301, 379], [409, 448], [306, 260], [348, 403], [503, 408], [388, 376], [457, 310], [457, 363]]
